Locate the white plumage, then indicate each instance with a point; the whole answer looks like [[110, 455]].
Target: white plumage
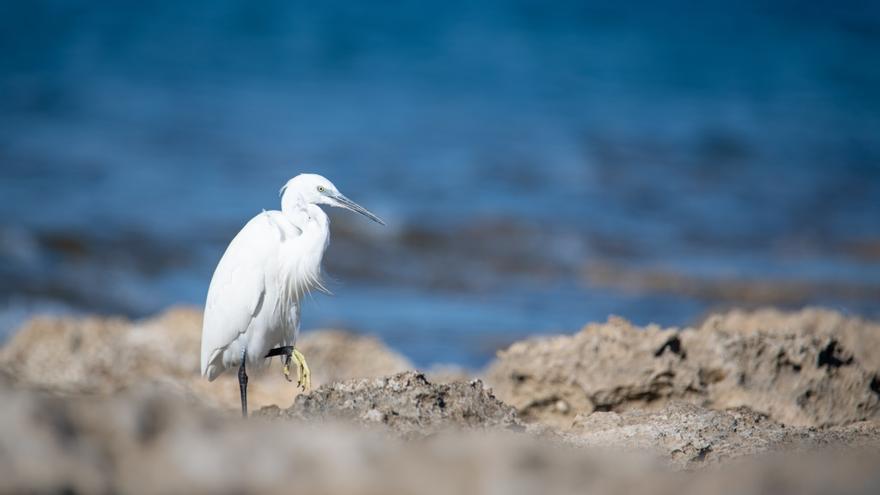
[[254, 300]]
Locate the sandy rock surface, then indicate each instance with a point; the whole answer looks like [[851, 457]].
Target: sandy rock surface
[[807, 368], [689, 436], [149, 440], [103, 405], [406, 404], [143, 442], [106, 355]]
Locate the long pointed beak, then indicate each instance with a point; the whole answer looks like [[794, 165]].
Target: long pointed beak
[[351, 205]]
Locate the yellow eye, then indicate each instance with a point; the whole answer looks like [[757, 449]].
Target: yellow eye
[[320, 188]]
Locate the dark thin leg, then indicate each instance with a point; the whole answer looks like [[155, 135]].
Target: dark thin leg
[[286, 351], [242, 384], [280, 351]]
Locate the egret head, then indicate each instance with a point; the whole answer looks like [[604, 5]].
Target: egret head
[[318, 190]]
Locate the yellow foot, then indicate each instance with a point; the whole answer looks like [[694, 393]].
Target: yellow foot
[[305, 375]]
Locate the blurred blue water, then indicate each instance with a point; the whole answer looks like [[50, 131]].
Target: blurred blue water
[[508, 144]]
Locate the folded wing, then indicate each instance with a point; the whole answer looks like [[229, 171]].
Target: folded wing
[[238, 288]]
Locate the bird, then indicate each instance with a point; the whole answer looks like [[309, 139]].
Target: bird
[[252, 310]]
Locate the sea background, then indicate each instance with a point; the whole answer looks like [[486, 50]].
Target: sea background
[[540, 165]]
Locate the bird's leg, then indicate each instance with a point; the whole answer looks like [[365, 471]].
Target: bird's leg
[[285, 352], [242, 385], [305, 374]]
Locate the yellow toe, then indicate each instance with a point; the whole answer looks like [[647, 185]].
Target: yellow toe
[[305, 374]]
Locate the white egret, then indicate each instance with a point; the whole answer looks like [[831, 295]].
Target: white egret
[[254, 300]]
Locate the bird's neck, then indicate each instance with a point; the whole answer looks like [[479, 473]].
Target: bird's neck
[[305, 216], [301, 255]]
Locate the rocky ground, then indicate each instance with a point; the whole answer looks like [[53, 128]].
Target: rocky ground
[[809, 368], [752, 402]]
